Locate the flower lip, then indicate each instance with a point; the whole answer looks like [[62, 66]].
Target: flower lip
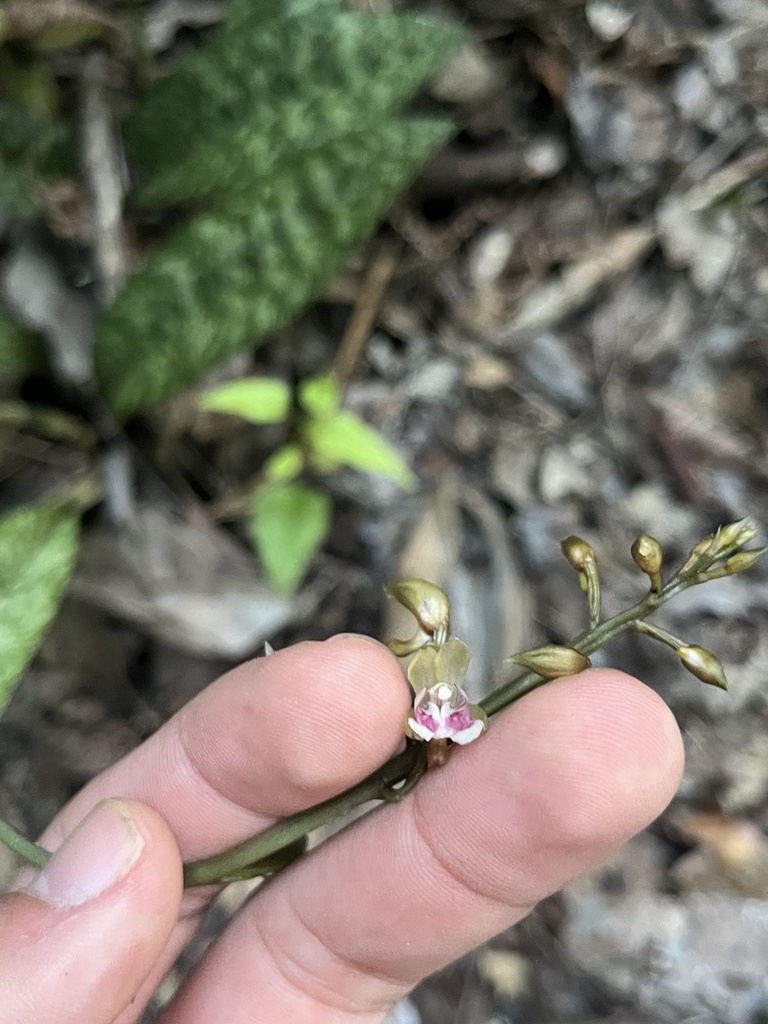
[[441, 709]]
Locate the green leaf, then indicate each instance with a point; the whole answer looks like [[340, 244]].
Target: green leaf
[[346, 440], [288, 524], [285, 464], [287, 131], [319, 397], [38, 546], [256, 399], [291, 83]]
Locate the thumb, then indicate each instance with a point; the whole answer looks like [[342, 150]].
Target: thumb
[[78, 937]]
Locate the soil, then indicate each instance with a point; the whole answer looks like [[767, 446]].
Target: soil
[[565, 335]]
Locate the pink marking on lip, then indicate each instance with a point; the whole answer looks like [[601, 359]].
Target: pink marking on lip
[[428, 721], [460, 719]]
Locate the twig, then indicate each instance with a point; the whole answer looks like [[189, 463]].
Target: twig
[[367, 306], [103, 170]]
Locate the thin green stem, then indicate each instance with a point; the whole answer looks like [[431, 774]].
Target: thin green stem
[[662, 635], [253, 852], [24, 848], [273, 849]]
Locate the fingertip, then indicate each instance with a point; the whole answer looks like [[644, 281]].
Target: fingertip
[[606, 758], [307, 722], [116, 840], [367, 655], [641, 737], [351, 699], [567, 775], [356, 639]]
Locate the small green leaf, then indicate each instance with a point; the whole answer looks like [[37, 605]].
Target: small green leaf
[[288, 524], [319, 397], [256, 399], [38, 546], [346, 440], [285, 464]]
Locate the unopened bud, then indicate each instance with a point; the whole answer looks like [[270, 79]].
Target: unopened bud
[[735, 534], [704, 665], [578, 552], [553, 661], [698, 553], [739, 562], [647, 555]]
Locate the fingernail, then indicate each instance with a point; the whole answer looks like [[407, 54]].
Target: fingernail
[[100, 851]]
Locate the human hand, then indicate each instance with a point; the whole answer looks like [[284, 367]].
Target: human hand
[[562, 779]]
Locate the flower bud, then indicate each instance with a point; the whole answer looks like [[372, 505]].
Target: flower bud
[[578, 552], [704, 665], [697, 554], [430, 607], [739, 562], [553, 661], [647, 555], [735, 535]]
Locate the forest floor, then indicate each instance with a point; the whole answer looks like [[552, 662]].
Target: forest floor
[[562, 327]]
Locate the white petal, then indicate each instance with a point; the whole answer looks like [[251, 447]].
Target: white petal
[[420, 730], [468, 734]]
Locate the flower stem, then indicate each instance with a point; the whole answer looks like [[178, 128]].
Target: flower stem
[[24, 848], [251, 855], [270, 851]]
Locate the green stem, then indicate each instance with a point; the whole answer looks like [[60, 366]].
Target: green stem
[[588, 642], [25, 849], [254, 851], [269, 851]]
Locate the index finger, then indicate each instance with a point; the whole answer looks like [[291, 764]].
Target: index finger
[[268, 739]]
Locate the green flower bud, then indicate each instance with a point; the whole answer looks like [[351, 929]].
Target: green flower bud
[[735, 535], [704, 665], [739, 562], [647, 555], [697, 554], [727, 539], [553, 661], [578, 552]]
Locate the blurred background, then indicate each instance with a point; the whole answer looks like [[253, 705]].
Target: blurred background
[[559, 326]]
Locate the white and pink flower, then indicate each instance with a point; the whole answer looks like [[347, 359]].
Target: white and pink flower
[[441, 708]]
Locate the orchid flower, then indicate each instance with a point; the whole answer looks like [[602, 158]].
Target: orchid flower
[[441, 708]]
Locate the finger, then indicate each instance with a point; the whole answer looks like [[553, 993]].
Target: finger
[[79, 939], [562, 779], [268, 739]]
